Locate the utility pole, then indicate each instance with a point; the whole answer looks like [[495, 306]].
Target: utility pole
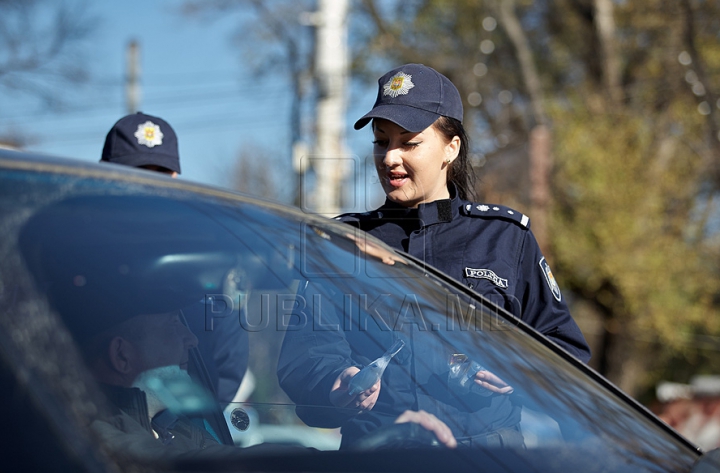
[[132, 78], [331, 73]]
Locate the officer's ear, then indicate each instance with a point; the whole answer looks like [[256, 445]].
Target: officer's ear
[[452, 149], [121, 355]]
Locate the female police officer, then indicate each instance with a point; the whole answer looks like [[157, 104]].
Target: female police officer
[[421, 157]]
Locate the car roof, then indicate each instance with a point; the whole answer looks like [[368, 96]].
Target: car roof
[[21, 160]]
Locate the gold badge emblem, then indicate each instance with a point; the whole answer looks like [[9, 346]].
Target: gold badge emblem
[[149, 134], [399, 84]]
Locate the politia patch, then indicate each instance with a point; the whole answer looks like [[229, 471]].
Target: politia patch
[[554, 288], [149, 134], [399, 84], [486, 274]]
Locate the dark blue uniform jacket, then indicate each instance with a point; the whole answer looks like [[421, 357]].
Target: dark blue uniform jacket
[[487, 247]]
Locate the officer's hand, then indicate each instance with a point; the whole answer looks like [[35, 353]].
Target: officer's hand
[[492, 383], [431, 423], [372, 249], [339, 393]]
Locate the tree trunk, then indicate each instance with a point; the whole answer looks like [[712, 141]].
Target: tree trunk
[[540, 149], [605, 26], [627, 362], [541, 162]]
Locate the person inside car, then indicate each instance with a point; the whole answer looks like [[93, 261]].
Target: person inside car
[[129, 358], [134, 361]]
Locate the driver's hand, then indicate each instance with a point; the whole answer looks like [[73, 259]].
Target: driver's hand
[[431, 423], [339, 396], [491, 382]]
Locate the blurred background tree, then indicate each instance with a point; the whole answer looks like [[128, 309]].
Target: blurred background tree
[[42, 46], [624, 177], [42, 40]]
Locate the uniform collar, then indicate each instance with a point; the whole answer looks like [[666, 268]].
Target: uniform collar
[[439, 211]]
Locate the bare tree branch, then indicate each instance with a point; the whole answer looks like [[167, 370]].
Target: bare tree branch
[[510, 22], [40, 43], [389, 38]]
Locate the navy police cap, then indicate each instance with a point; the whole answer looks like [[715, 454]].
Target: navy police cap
[[413, 96], [142, 140]]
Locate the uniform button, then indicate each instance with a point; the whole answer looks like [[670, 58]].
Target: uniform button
[[470, 285]]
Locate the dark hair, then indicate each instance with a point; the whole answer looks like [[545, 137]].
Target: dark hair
[[460, 171]]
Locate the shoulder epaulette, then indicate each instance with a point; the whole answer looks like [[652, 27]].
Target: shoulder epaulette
[[496, 211], [355, 217]]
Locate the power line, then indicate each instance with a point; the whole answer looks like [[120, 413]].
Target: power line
[[202, 91], [198, 124], [176, 100]]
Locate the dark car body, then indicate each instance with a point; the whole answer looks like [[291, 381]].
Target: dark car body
[[83, 243]]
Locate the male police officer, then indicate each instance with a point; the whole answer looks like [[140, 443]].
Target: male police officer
[[143, 141]]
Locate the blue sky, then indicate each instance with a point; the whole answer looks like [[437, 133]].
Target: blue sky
[[191, 75]]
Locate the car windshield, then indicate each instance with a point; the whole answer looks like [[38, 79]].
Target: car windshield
[[272, 306]]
